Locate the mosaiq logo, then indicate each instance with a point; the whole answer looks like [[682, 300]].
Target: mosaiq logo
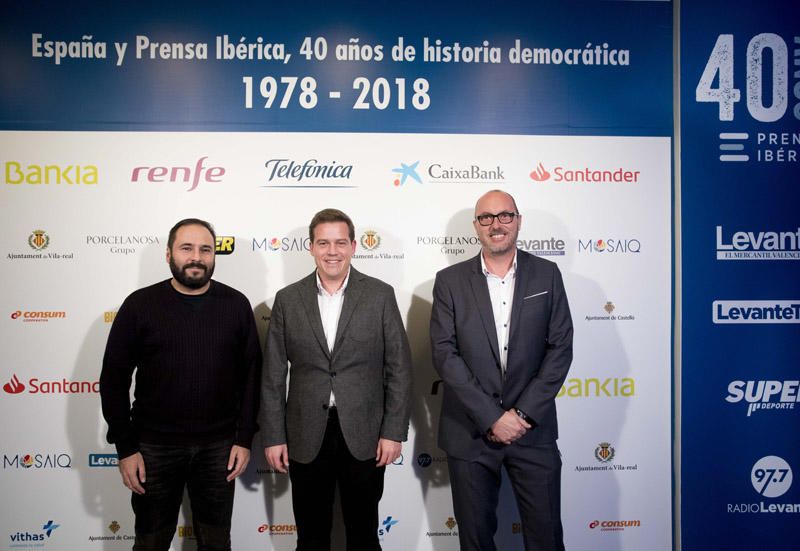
[[58, 460], [764, 395], [757, 245], [307, 173], [190, 176], [285, 244], [771, 477], [609, 246], [585, 175]]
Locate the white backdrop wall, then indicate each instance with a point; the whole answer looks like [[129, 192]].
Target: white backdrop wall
[[74, 250]]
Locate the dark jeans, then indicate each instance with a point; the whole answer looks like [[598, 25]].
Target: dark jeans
[[169, 469], [360, 489]]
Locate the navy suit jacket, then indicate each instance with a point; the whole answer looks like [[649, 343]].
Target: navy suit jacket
[[466, 353]]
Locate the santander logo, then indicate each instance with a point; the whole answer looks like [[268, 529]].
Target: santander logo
[[14, 386], [540, 174]]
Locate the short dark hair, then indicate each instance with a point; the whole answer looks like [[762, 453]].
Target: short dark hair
[[326, 216], [189, 222]]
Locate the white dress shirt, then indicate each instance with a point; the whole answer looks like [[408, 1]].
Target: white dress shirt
[[501, 293], [330, 308]]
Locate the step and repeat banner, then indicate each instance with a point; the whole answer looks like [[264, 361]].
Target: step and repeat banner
[[740, 135], [115, 122]]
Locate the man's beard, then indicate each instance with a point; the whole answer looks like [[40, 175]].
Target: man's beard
[[181, 274]]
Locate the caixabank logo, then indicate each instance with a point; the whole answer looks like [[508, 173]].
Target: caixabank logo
[[33, 538], [35, 385], [764, 396], [771, 477], [560, 174], [441, 172]]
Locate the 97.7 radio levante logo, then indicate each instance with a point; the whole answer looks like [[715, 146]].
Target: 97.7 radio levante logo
[[771, 477], [767, 97]]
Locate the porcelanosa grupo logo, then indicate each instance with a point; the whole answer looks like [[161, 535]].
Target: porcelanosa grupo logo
[[120, 243], [764, 395], [190, 176], [758, 245], [585, 175], [307, 173]]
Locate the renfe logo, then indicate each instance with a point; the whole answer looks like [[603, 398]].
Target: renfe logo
[[185, 174], [756, 311]]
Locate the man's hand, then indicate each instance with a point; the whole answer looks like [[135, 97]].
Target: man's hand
[[277, 457], [387, 452], [237, 461], [508, 428], [132, 470]]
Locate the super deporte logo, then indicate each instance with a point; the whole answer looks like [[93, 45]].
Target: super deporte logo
[[764, 395]]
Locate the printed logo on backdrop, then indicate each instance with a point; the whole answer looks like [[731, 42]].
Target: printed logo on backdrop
[[609, 308], [761, 396], [771, 477], [307, 173], [543, 247], [604, 455], [449, 173], [287, 244], [425, 460], [386, 527], [756, 311], [121, 243], [54, 386], [108, 317], [758, 245], [376, 249], [34, 538], [37, 316], [17, 173], [767, 83], [114, 527], [399, 460], [186, 532], [611, 387], [39, 242], [25, 461], [614, 525], [178, 176], [584, 175], [451, 245], [609, 246], [103, 460], [450, 529], [225, 245], [277, 529]]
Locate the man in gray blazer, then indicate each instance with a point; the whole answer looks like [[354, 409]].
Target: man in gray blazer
[[348, 405], [501, 335]]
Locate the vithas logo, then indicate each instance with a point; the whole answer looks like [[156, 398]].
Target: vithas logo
[[14, 386]]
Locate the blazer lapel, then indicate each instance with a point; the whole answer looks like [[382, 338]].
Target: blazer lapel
[[311, 306], [520, 287], [481, 292], [352, 294]]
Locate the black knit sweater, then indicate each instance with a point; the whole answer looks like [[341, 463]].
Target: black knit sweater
[[197, 362]]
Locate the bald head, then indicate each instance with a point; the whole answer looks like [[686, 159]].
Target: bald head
[[491, 197], [498, 239]]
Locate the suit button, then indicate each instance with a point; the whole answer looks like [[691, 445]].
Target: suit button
[[333, 374], [324, 406], [495, 395]]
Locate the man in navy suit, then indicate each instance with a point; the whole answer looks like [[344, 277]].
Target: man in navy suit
[[501, 334]]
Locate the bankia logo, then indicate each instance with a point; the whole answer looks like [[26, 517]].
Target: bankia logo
[[549, 246], [764, 395], [758, 245], [56, 386], [37, 316], [756, 311], [190, 176], [17, 173], [593, 387], [771, 477], [307, 173], [610, 246], [585, 175]]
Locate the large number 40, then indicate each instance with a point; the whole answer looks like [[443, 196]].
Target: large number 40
[[720, 62]]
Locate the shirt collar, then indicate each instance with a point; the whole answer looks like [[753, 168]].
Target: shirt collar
[[321, 290], [511, 270]]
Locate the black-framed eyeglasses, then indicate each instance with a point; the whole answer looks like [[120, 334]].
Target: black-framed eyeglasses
[[504, 217]]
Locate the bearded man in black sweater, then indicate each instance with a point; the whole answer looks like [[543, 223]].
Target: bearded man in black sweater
[[193, 344]]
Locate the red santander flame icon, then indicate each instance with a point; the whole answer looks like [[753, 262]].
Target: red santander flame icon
[[540, 174], [14, 386]]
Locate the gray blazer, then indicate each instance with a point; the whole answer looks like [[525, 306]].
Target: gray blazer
[[466, 355], [369, 370]]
